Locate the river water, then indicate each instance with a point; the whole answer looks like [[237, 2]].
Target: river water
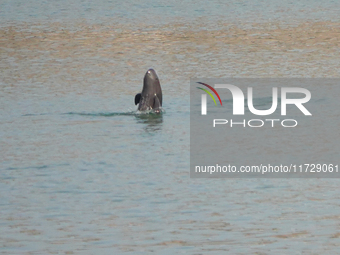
[[82, 173]]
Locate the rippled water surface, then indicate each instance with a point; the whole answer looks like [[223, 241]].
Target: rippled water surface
[[82, 173]]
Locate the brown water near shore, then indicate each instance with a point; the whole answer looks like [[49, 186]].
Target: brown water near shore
[[113, 52]]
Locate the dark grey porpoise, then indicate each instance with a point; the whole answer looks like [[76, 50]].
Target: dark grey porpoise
[[151, 96]]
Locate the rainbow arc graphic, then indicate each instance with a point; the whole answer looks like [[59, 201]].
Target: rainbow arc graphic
[[209, 93]]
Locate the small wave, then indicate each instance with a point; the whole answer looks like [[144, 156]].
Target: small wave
[[111, 114], [34, 114], [38, 166], [101, 114]]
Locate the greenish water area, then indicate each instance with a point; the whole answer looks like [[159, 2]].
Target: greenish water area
[[82, 172]]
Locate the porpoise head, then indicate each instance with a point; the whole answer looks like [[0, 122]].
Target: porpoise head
[[150, 79]]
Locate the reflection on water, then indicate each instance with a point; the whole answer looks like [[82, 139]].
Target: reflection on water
[[152, 122]]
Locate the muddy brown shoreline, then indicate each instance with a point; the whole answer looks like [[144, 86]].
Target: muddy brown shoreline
[[81, 53]]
